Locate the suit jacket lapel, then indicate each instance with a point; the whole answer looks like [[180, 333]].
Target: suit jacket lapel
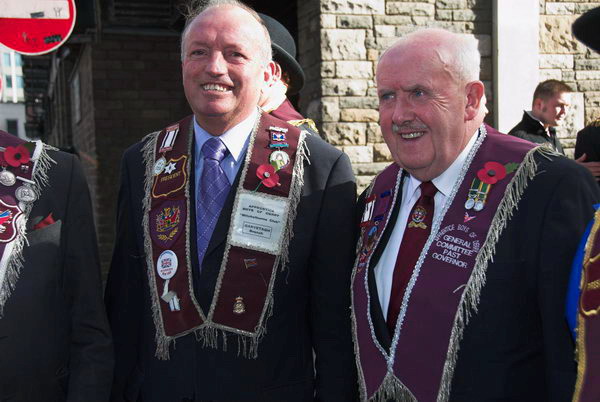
[[205, 280], [379, 320]]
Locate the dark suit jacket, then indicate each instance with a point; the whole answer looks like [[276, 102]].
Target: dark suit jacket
[[311, 303], [517, 346], [588, 142], [531, 130], [54, 339]]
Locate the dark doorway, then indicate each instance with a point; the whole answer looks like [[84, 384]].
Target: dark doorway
[[286, 12]]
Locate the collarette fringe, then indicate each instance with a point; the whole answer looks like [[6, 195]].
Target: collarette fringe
[[208, 333], [392, 389], [162, 340], [15, 261], [296, 186], [248, 343], [470, 298]]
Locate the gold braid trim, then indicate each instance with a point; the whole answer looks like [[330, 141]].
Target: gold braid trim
[[308, 122], [580, 353]]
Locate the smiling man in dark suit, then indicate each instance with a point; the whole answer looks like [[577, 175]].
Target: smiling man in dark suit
[[55, 343], [466, 243], [231, 265]]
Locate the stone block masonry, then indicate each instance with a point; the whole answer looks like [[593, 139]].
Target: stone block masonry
[[341, 41], [341, 95], [564, 58]]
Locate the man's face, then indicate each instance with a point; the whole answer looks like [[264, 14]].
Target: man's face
[[223, 70], [552, 111], [422, 110]]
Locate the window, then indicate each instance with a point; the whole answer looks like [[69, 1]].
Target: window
[[9, 83], [6, 59], [12, 126], [20, 83], [18, 60]]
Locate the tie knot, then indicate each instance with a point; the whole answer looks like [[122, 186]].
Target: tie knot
[[428, 189], [214, 149]]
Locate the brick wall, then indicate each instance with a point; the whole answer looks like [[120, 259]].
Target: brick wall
[[137, 89], [84, 131], [352, 35]]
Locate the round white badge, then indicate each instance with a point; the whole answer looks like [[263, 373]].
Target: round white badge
[[159, 166], [279, 159], [166, 265]]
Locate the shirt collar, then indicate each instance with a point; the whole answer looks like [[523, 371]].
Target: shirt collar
[[530, 114], [234, 139], [445, 181]]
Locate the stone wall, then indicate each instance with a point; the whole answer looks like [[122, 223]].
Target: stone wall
[[341, 40], [562, 57], [352, 35]]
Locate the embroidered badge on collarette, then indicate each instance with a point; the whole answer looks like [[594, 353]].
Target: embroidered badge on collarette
[[278, 137], [172, 178], [8, 219], [418, 217], [168, 222], [239, 307], [590, 290], [250, 263]]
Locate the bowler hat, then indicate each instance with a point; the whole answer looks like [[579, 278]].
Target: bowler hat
[[586, 28], [284, 52]]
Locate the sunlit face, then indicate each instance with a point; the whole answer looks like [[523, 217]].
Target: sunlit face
[[223, 70], [552, 111], [422, 109]]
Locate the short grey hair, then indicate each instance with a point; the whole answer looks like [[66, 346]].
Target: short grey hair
[[462, 48], [197, 7]]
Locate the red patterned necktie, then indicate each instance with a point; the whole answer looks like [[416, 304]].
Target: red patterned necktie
[[416, 233]]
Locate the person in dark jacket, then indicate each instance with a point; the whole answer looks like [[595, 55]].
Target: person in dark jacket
[[551, 100], [287, 78], [587, 148], [55, 342], [230, 278]]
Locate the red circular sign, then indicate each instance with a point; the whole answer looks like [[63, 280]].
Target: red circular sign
[[34, 27]]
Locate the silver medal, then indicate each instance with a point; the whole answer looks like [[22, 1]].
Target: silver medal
[[25, 194], [470, 203], [7, 178], [159, 166], [478, 206]]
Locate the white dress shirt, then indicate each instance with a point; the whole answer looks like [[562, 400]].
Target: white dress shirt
[[236, 141], [384, 270]]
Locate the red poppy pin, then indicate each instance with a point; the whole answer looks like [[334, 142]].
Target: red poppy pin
[[17, 156], [267, 175], [493, 172]]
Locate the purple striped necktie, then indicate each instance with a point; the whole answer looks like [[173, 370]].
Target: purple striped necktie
[[212, 193]]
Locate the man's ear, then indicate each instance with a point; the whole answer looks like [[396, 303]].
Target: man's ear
[[538, 104], [272, 73], [474, 92]]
